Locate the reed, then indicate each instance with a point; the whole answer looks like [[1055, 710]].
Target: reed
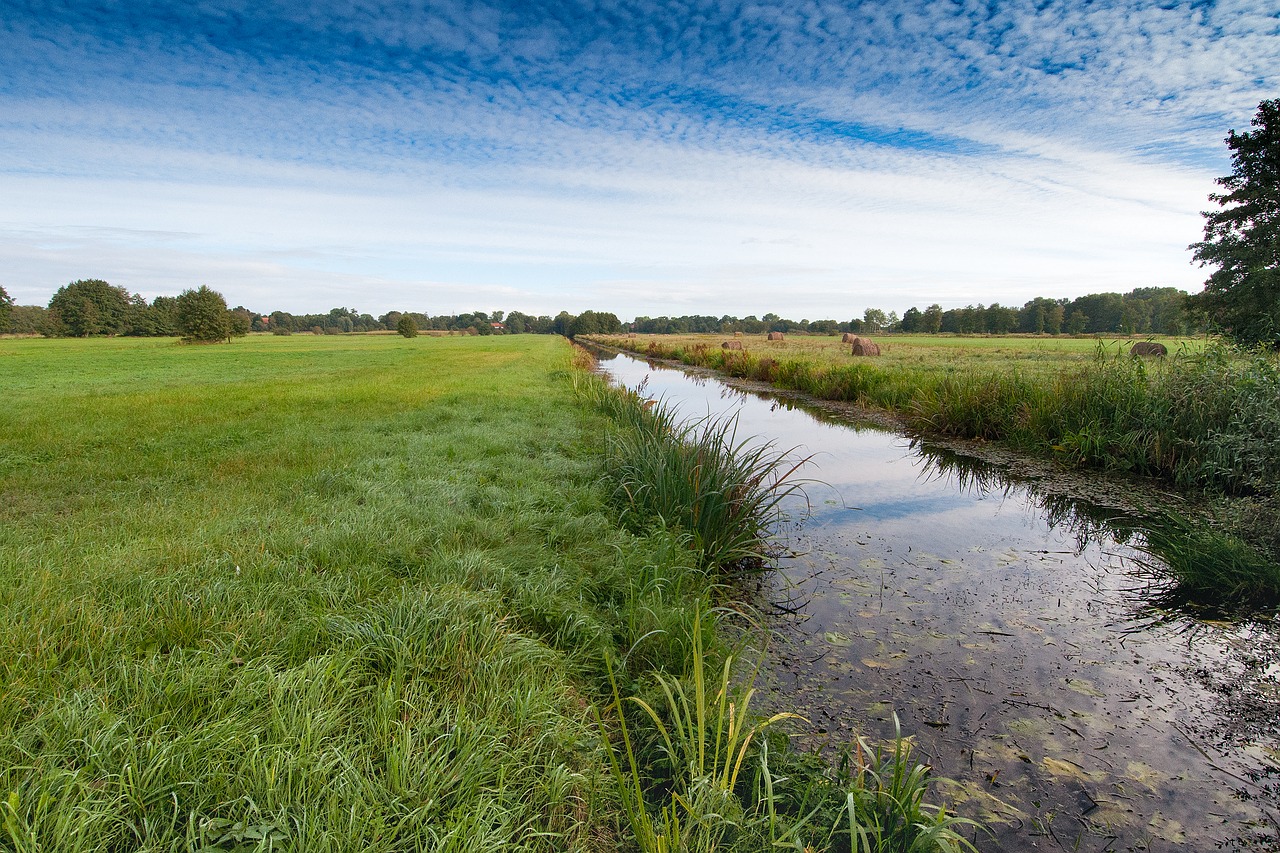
[[1213, 572], [723, 491]]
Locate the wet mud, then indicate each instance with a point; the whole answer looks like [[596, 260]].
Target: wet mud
[[1001, 612]]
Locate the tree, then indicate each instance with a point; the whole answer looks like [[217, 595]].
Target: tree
[[912, 320], [27, 320], [239, 322], [1077, 323], [203, 316], [406, 327], [931, 322], [1242, 237], [1000, 320], [6, 306], [89, 307]]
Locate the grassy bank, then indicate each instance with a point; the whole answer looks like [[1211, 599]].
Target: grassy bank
[[344, 593], [348, 593], [1205, 418]]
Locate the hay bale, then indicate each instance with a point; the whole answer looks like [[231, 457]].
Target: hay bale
[[849, 337], [1149, 348], [864, 346], [775, 336], [731, 345], [737, 334]]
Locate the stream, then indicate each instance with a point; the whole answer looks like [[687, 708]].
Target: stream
[[1014, 633]]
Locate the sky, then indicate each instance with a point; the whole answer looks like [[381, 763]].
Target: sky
[[645, 157]]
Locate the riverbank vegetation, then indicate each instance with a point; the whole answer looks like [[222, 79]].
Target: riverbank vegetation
[[337, 593], [1206, 418]]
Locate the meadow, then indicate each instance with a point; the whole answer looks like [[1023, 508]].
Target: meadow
[[372, 593], [1205, 419], [923, 354]]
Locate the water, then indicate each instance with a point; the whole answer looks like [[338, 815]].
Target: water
[[1011, 631]]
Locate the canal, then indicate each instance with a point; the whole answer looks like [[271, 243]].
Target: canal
[[1015, 631]]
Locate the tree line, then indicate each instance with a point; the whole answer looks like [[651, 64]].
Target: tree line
[[1145, 310], [94, 307]]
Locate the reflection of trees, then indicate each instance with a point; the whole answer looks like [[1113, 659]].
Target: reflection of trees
[[1086, 520], [1189, 567]]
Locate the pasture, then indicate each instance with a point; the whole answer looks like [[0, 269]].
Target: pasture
[[313, 593], [930, 354]]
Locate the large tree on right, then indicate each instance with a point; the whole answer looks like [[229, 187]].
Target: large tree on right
[[1242, 237]]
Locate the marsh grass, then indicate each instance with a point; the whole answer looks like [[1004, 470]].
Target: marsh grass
[[1213, 573], [717, 787], [706, 737]]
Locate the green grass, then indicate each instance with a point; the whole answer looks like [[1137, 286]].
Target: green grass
[[921, 355], [722, 491], [343, 593], [335, 593]]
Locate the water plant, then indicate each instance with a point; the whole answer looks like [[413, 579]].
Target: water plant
[[1212, 571], [885, 806], [717, 788], [708, 734]]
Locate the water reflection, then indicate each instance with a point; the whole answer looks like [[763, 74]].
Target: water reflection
[[1011, 628]]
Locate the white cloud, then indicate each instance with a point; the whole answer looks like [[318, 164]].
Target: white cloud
[[811, 159]]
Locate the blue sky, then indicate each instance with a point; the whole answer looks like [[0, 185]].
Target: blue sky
[[807, 158]]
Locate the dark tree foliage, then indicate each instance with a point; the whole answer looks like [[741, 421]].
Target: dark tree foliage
[[239, 322], [6, 308], [203, 316], [89, 307], [406, 327], [1242, 238], [159, 319], [27, 320]]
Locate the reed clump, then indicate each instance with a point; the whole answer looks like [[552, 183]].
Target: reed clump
[[700, 769], [724, 492]]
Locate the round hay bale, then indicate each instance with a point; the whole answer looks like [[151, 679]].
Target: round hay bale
[[1149, 348]]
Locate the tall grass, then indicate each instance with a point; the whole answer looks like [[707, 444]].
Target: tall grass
[[723, 491], [706, 732], [710, 781]]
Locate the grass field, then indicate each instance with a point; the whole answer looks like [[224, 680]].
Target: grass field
[[342, 592], [933, 354], [364, 593]]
